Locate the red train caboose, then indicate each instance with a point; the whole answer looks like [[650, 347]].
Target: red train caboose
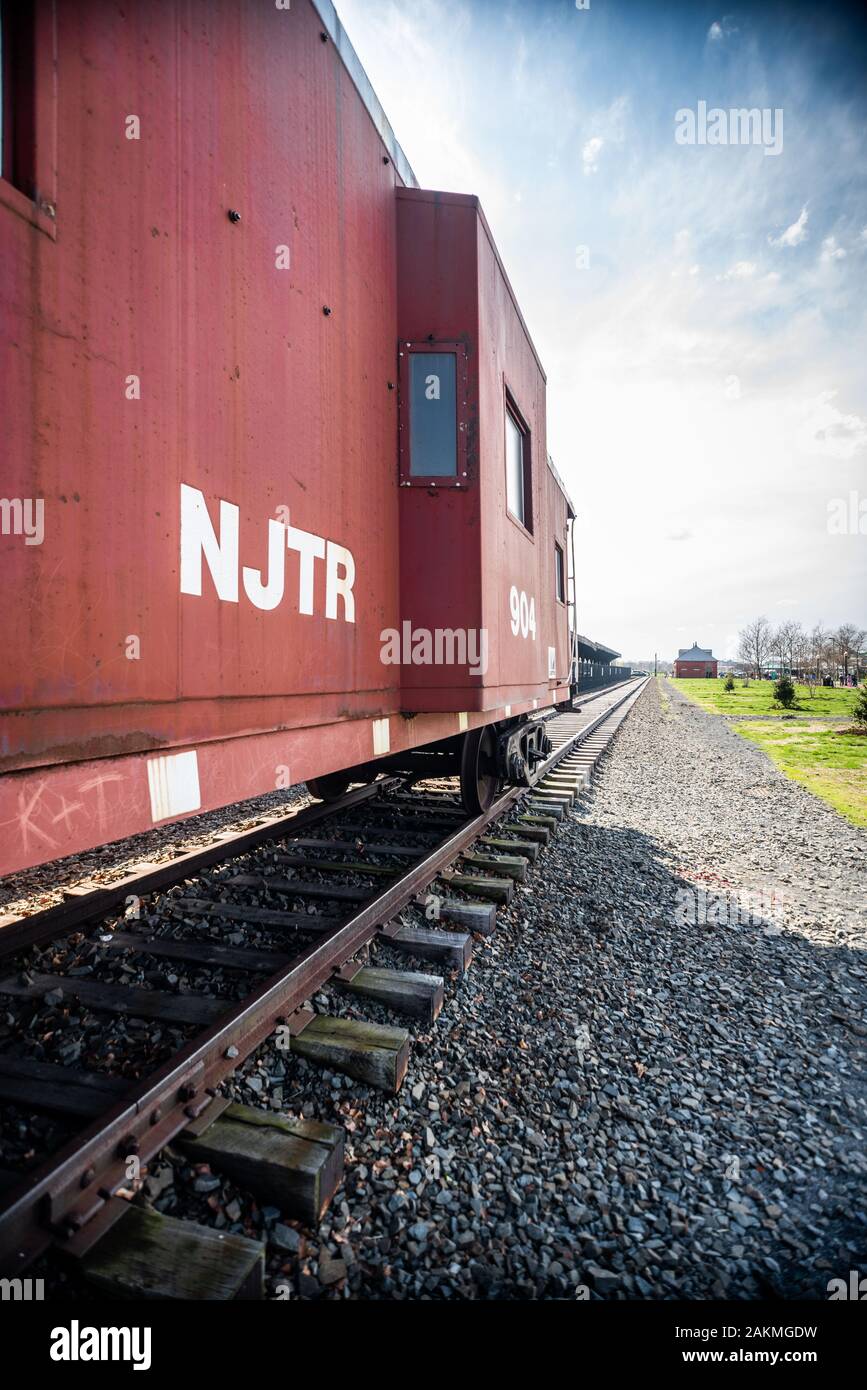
[[277, 501]]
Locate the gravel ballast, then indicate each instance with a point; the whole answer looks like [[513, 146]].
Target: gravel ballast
[[616, 1100], [648, 1085]]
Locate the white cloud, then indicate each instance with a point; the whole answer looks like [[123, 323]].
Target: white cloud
[[721, 29], [609, 127], [827, 431], [741, 270], [794, 235], [831, 251], [677, 401], [590, 154]]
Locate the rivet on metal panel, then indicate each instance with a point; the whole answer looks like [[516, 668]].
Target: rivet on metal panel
[[234, 216], [323, 36], [391, 383], [385, 159], [325, 309]]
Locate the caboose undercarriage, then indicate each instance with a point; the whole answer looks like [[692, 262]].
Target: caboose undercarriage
[[485, 759]]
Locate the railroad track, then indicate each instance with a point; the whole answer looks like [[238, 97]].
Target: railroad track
[[223, 948]]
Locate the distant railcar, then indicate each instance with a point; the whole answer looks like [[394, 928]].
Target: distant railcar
[[277, 501]]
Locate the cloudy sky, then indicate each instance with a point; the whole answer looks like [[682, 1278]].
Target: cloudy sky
[[700, 309]]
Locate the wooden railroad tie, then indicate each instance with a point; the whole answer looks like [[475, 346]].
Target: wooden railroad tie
[[57, 1089], [146, 1255], [297, 888], [499, 890], [122, 999], [528, 849], [333, 866], [407, 992], [204, 909], [547, 812], [296, 1165], [539, 828], [368, 1051], [479, 917], [512, 865], [354, 847], [454, 949], [204, 952], [558, 798]]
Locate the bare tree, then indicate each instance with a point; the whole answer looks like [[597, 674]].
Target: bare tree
[[753, 643], [793, 649], [790, 639], [816, 656], [848, 641], [777, 647]]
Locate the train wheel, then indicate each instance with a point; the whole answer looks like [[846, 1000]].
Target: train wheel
[[328, 788], [479, 780]]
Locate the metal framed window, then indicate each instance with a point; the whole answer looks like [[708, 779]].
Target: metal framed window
[[28, 117], [17, 108], [433, 414], [519, 488], [559, 573]]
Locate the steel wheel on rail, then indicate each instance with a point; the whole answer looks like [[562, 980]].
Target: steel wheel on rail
[[328, 788], [479, 780]]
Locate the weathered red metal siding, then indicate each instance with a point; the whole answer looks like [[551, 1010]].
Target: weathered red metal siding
[[461, 551], [440, 529], [128, 265], [512, 555], [555, 629], [248, 391]]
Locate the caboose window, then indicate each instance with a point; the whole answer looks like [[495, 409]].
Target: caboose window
[[518, 491], [559, 573], [433, 447], [17, 91]]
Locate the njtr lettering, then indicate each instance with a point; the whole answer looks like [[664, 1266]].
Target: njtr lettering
[[220, 551]]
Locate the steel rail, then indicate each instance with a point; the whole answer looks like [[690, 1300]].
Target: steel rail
[[70, 1188]]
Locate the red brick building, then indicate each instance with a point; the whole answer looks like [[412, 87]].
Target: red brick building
[[695, 661]]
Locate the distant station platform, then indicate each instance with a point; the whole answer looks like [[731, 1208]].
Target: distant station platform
[[595, 665]]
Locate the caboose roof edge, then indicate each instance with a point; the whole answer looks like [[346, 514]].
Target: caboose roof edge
[[562, 486], [435, 195], [362, 83]]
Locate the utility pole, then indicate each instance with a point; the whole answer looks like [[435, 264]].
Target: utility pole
[[654, 663]]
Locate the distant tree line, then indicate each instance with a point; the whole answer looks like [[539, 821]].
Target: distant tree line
[[810, 655]]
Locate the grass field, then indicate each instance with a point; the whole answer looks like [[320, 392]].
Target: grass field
[[832, 765], [758, 698]]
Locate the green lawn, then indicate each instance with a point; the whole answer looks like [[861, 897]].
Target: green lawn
[[758, 698], [830, 764]]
